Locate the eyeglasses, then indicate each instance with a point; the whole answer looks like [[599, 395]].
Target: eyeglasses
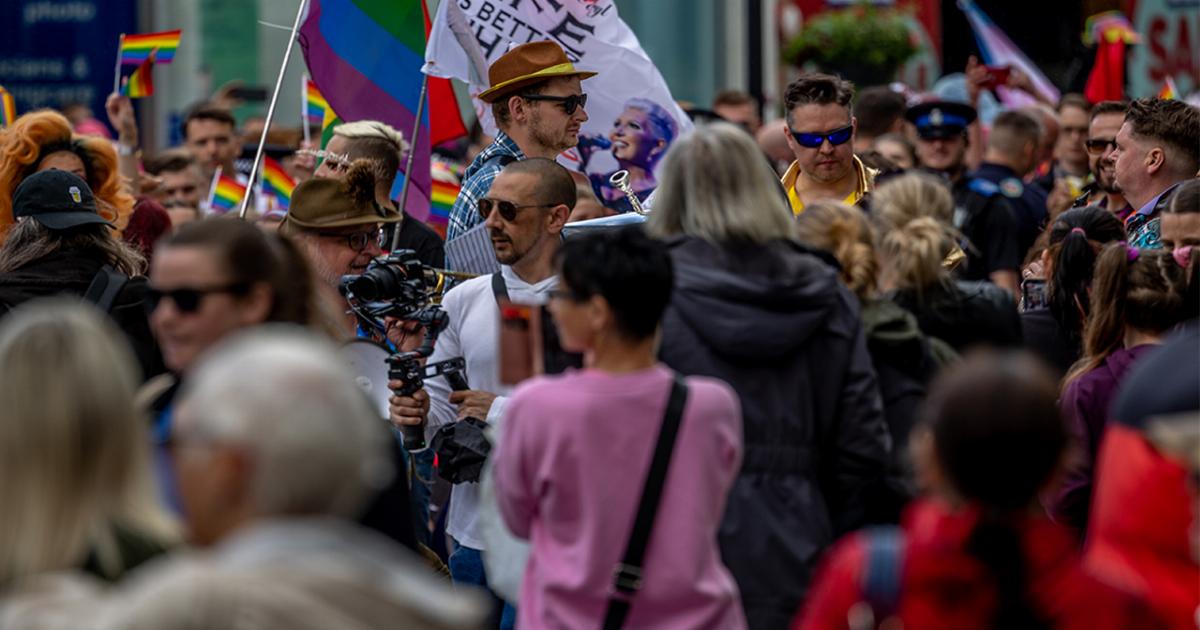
[[507, 209], [357, 241], [837, 137], [1098, 146], [567, 103], [188, 299]]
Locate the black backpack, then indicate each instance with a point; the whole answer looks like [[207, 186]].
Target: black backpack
[[121, 296]]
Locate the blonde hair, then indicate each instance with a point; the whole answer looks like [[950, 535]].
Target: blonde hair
[[74, 454], [843, 230], [22, 146], [912, 215], [715, 184]]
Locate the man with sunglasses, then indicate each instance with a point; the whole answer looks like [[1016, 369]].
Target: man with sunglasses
[[981, 213], [1106, 121], [336, 222], [524, 213], [820, 132], [538, 105]]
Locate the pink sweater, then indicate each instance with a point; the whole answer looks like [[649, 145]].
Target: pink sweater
[[569, 473]]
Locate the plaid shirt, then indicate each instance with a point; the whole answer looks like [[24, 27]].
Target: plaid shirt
[[477, 181]]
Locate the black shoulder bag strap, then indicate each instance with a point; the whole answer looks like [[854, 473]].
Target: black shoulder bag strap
[[105, 286], [628, 577], [499, 288]]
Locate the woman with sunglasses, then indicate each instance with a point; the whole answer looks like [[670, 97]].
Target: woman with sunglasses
[[638, 141]]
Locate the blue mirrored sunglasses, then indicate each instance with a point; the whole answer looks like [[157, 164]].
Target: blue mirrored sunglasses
[[815, 140]]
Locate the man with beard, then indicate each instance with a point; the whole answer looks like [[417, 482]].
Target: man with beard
[[820, 132], [538, 105], [524, 213], [1106, 121], [981, 214], [337, 224]]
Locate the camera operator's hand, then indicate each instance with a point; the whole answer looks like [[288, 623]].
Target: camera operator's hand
[[407, 410], [405, 335], [472, 403]]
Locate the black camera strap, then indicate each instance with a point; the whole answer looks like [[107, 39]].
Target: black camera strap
[[499, 287], [627, 579]]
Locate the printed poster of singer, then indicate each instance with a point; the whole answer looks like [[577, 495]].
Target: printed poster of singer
[[638, 140]]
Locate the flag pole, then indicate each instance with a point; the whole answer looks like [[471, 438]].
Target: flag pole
[[117, 68], [304, 109], [262, 141], [212, 190], [412, 151]]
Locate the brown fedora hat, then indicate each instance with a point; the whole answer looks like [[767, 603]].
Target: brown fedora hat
[[527, 64]]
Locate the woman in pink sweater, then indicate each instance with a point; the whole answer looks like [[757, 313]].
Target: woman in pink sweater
[[576, 450]]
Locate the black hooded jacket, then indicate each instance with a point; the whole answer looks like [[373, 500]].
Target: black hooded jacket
[[774, 322]]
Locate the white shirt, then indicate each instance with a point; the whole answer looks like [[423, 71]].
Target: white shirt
[[474, 334]]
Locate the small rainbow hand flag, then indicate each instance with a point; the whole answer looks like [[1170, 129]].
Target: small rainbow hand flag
[[276, 182], [1168, 91], [441, 199], [135, 49], [315, 105], [8, 108], [141, 82], [226, 194]]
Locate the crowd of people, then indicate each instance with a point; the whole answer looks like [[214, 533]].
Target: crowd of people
[[872, 363]]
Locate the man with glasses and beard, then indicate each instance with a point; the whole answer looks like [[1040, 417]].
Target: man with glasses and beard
[[1107, 118], [524, 213], [336, 222], [820, 132], [538, 104]]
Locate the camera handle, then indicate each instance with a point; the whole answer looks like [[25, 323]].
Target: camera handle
[[407, 367]]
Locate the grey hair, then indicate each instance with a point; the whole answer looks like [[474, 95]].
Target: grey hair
[[715, 184], [372, 129], [284, 395], [29, 240]]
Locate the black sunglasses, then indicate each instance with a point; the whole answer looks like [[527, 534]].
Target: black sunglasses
[[507, 209], [568, 103], [188, 299], [836, 137], [1097, 146]]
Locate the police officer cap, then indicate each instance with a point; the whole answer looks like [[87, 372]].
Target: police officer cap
[[940, 119]]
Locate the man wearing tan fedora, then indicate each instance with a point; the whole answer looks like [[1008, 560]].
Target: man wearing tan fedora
[[336, 222], [538, 104]]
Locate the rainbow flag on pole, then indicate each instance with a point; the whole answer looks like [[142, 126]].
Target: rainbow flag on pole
[[134, 49], [441, 200], [277, 183], [367, 56], [315, 106], [226, 193], [8, 108], [141, 82]]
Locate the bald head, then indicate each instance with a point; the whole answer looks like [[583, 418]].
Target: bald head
[[555, 185]]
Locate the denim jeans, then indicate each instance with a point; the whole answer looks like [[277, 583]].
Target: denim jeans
[[466, 567]]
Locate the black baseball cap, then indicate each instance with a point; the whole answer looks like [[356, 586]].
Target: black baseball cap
[[57, 199]]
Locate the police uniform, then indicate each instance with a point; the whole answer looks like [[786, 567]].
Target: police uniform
[[1028, 202], [991, 236]]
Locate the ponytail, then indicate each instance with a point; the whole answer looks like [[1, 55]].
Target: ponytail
[[1136, 289], [1074, 240], [996, 543], [843, 231], [914, 252]]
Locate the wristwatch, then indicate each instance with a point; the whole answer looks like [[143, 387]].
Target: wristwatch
[[125, 149]]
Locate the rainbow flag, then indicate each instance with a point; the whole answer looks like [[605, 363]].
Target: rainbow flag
[[8, 108], [277, 182], [1169, 91], [226, 194], [441, 200], [134, 49], [141, 82], [367, 56], [1109, 27], [316, 108]]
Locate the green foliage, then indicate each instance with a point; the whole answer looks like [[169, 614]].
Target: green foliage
[[856, 36]]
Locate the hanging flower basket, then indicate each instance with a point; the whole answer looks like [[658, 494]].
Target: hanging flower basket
[[863, 44]]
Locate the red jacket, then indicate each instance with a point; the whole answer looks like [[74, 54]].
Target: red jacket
[[945, 587]]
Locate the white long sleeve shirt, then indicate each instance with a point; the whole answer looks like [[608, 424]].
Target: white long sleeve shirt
[[474, 334]]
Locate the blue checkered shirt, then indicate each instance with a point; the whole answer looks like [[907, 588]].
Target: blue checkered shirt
[[477, 181]]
